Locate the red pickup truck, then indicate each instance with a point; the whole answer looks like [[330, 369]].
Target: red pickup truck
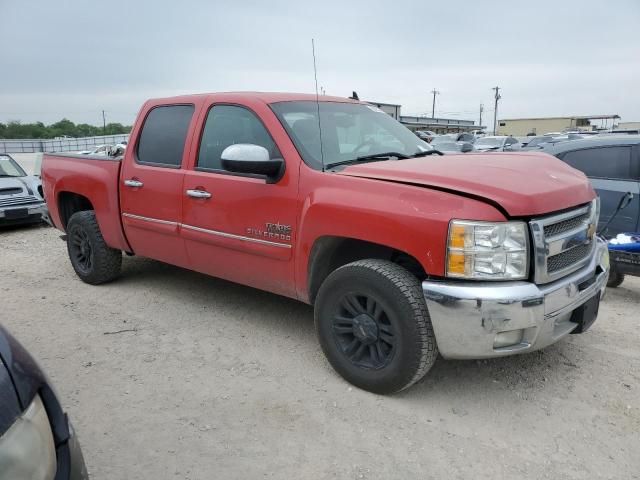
[[403, 253]]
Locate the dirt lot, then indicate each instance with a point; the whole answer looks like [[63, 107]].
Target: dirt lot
[[209, 379]]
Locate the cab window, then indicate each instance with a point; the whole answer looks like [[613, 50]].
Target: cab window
[[163, 135], [229, 125]]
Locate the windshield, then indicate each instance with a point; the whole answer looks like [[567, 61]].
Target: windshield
[[490, 142], [9, 167], [349, 131]]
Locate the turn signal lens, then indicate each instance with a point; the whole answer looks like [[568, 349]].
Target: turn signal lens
[[456, 263]]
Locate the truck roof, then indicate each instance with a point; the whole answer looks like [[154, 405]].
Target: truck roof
[[266, 97]]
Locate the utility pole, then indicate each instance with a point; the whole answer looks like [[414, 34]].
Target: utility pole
[[480, 120], [495, 108], [104, 124], [433, 106]]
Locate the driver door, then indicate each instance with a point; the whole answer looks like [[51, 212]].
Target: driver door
[[237, 226]]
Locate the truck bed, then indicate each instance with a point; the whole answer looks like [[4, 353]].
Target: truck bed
[[85, 178]]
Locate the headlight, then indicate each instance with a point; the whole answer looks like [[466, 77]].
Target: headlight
[[492, 251], [27, 449]]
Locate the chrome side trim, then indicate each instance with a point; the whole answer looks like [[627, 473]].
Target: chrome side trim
[[149, 219], [236, 237]]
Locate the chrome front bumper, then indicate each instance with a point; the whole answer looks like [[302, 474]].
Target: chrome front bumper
[[467, 316]]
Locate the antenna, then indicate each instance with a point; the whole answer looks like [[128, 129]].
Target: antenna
[[315, 76]]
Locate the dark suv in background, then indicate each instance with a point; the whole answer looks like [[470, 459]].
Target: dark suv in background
[[612, 163]]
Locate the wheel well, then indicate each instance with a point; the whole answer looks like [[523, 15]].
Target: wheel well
[[70, 203], [331, 253]]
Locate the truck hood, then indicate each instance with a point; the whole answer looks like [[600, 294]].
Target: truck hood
[[521, 184]]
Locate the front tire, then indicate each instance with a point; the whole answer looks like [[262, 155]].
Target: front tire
[[93, 261], [374, 327], [615, 279]]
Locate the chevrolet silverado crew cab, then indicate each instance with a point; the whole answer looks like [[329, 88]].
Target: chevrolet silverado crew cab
[[402, 252]]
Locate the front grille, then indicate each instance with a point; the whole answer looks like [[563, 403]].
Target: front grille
[[11, 202], [563, 243], [567, 258], [565, 225]]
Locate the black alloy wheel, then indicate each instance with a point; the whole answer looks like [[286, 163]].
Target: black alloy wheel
[[80, 248], [363, 331]]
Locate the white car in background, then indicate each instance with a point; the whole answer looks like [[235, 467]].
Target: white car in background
[[98, 150], [498, 143], [21, 196], [106, 150]]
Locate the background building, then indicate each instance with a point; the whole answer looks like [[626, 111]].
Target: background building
[[439, 125], [419, 122], [540, 126], [628, 126], [388, 108]]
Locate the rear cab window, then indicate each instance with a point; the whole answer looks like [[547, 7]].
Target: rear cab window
[[163, 136]]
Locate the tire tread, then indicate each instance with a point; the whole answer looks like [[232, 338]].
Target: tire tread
[[107, 260]]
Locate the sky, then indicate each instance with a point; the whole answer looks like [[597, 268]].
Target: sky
[[73, 59]]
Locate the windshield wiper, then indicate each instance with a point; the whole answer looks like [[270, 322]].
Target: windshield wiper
[[372, 157], [427, 152]]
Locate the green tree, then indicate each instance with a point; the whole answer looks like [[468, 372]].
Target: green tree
[[18, 130]]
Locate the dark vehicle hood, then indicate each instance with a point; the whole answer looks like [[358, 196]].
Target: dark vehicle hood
[[26, 375], [10, 408], [521, 184], [26, 379]]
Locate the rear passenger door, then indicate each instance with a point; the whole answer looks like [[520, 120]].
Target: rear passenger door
[[613, 171], [151, 184]]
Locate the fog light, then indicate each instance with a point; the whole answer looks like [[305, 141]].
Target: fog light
[[507, 339]]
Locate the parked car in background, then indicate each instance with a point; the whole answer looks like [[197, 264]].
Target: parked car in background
[[463, 137], [612, 163], [426, 135], [98, 150], [535, 143], [445, 144], [497, 143], [107, 150], [37, 441], [21, 195]]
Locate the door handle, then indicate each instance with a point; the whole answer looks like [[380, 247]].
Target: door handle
[[198, 194], [133, 183]]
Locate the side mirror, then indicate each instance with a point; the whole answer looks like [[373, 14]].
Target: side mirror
[[252, 159], [466, 147], [625, 200]]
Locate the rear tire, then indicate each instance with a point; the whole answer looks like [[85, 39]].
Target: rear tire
[[374, 327], [93, 261], [615, 279]]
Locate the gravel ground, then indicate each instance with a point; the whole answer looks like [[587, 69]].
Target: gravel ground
[[170, 374]]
